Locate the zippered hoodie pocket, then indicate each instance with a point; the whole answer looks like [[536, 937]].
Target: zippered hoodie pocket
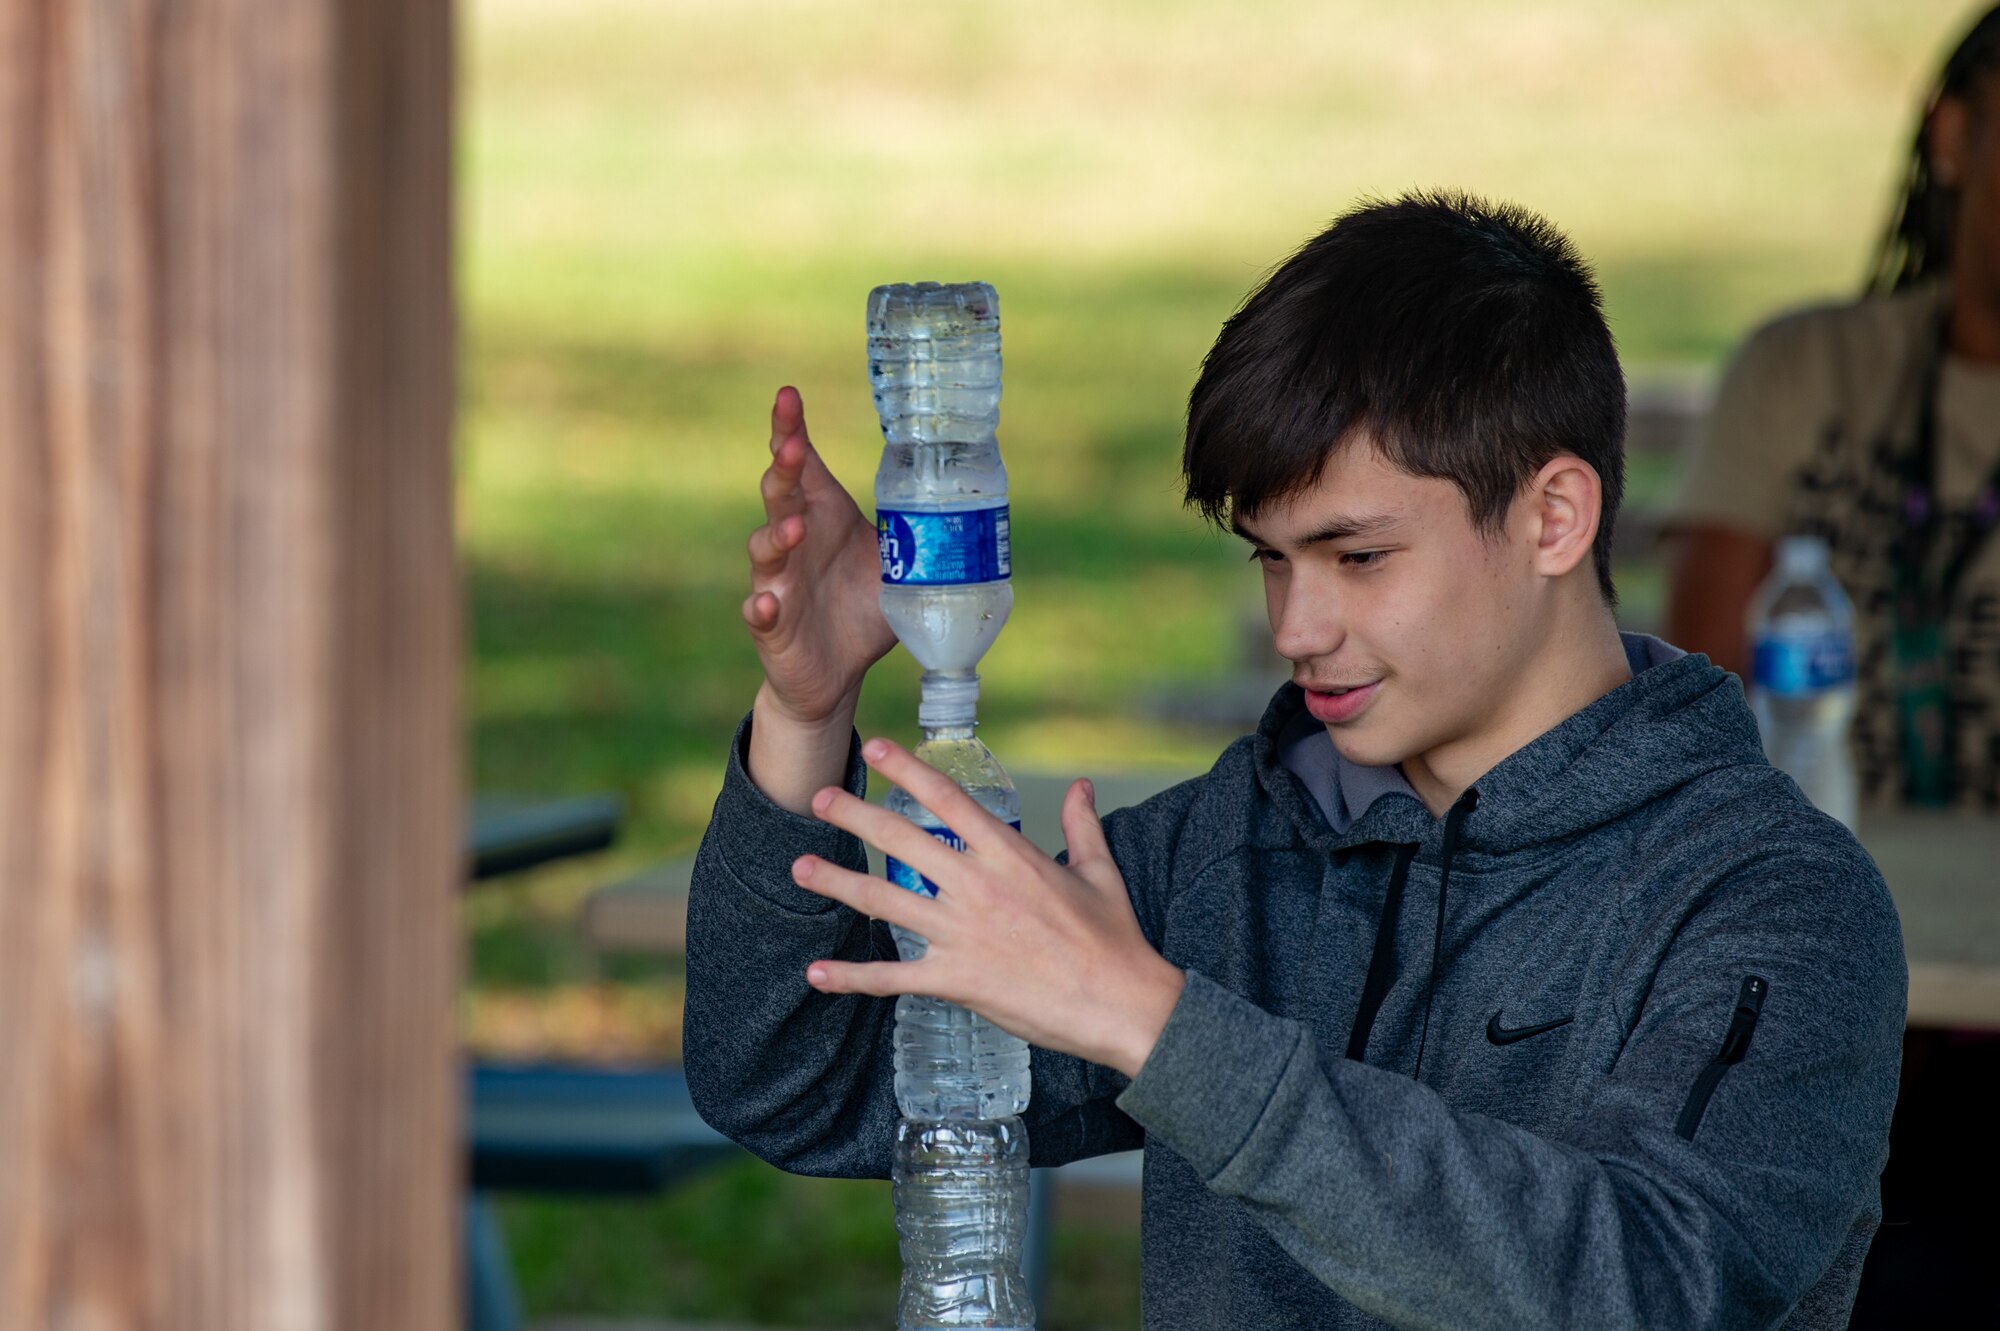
[[1735, 1044]]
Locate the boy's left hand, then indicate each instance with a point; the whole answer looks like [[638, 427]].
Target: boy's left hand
[[1052, 954]]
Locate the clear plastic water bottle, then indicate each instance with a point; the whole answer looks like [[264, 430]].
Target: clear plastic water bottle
[[951, 1063], [1802, 674], [961, 1193], [941, 516], [960, 1167]]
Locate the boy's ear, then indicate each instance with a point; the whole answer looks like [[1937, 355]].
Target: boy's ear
[[1566, 499]]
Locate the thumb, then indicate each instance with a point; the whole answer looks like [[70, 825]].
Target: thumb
[[1083, 832]]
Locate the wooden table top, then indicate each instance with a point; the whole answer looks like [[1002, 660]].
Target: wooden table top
[[1944, 872]]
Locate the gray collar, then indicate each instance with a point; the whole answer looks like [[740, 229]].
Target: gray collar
[[1344, 790]]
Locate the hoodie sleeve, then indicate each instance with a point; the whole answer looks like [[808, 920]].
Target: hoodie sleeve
[[807, 1080], [1429, 1217]]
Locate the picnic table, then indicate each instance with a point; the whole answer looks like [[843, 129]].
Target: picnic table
[[508, 833], [550, 1128], [1944, 871]]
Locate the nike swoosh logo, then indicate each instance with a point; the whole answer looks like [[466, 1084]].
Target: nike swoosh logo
[[1499, 1034]]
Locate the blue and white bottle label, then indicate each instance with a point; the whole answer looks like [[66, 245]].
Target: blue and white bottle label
[[1795, 664], [903, 876], [922, 549]]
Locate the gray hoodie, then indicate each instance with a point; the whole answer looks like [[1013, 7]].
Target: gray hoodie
[[1612, 1044]]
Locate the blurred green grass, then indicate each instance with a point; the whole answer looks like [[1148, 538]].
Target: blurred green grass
[[669, 208]]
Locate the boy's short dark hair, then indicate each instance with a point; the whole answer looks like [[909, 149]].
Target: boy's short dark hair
[[1466, 339]]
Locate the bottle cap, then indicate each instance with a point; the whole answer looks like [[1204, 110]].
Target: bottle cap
[[948, 700], [1802, 554]]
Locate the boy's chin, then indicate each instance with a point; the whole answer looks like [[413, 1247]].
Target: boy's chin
[[1364, 749]]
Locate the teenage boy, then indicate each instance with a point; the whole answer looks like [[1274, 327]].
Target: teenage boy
[[1496, 981]]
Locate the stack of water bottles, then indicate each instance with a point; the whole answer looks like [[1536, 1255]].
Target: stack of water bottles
[[961, 1154], [1802, 674]]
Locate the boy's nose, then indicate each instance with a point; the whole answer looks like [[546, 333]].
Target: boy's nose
[[1305, 621]]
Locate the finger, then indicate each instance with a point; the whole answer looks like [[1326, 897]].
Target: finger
[[892, 834], [798, 462], [788, 417], [1083, 831], [879, 978], [770, 543], [779, 486], [760, 612], [980, 830], [813, 474], [877, 898], [941, 794], [797, 476]]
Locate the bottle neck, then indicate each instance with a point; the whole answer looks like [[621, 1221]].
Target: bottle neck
[[1802, 556], [950, 704], [954, 731]]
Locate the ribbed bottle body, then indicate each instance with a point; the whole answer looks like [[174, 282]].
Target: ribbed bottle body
[[961, 1194]]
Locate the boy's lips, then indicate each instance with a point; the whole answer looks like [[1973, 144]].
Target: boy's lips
[[1332, 708]]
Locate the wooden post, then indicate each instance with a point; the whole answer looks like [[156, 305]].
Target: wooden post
[[229, 837]]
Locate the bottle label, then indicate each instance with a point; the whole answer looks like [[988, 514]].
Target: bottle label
[[903, 876], [944, 549], [1796, 664]]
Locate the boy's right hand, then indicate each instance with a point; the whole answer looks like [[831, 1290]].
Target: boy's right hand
[[814, 613]]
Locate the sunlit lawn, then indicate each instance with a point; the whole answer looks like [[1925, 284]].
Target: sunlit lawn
[[669, 208]]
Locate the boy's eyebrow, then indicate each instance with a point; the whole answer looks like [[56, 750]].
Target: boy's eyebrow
[[1342, 528]]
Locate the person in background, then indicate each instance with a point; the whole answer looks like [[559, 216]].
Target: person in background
[[1875, 424]]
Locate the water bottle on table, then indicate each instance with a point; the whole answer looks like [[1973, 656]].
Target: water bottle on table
[[1802, 674]]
